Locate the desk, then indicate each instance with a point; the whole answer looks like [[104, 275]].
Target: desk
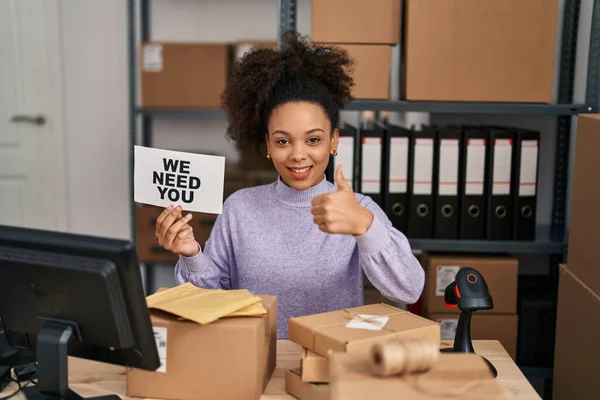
[[90, 378]]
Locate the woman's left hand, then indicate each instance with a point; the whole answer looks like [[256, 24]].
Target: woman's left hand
[[340, 211]]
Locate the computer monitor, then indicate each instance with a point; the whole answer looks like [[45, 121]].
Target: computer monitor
[[77, 295]]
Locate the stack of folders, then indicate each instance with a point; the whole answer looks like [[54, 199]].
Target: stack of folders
[[446, 182]]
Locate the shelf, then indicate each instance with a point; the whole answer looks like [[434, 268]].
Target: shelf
[[414, 106], [468, 107]]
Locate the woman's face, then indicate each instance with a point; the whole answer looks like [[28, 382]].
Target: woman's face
[[300, 142]]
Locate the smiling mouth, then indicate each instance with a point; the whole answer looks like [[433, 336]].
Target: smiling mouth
[[300, 170]]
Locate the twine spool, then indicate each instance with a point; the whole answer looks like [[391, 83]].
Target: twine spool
[[404, 356]]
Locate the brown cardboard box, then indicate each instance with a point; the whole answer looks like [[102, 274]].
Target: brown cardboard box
[[343, 331], [503, 328], [372, 70], [314, 368], [585, 213], [183, 75], [232, 358], [480, 50], [356, 21], [500, 273], [304, 390], [577, 351], [463, 373]]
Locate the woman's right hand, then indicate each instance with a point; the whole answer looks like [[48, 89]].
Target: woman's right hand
[[174, 232]]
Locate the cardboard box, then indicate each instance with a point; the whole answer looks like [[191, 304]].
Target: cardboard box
[[232, 358], [481, 50], [314, 368], [503, 328], [356, 21], [372, 70], [466, 373], [585, 213], [500, 273], [183, 75], [576, 351], [304, 390], [344, 331]]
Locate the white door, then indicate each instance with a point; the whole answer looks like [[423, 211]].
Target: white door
[[32, 166]]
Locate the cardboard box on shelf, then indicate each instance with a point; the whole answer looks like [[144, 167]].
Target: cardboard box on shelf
[[503, 328], [585, 213], [304, 390], [355, 330], [202, 361], [356, 21], [576, 351], [500, 273], [183, 75], [483, 50], [314, 367], [372, 70], [452, 373]]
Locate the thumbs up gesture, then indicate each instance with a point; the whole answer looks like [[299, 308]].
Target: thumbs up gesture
[[340, 211]]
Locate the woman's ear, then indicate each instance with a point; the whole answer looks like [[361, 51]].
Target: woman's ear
[[335, 135], [268, 144]]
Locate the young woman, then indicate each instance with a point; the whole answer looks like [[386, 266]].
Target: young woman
[[301, 238]]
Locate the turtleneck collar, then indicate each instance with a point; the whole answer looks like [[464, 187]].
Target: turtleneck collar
[[299, 198]]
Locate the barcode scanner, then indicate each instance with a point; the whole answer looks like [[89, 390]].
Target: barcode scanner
[[469, 293]]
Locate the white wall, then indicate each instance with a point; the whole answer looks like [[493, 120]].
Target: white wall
[[96, 108], [96, 98]]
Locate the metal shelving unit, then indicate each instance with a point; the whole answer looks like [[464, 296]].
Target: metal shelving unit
[[551, 241]]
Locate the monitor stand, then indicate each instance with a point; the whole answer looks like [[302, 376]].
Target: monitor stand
[[53, 372]]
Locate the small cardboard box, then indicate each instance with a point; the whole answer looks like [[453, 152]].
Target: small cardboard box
[[314, 368], [232, 358], [585, 213], [501, 274], [183, 75], [481, 50], [304, 390], [453, 374], [356, 21], [355, 330], [576, 352], [503, 328]]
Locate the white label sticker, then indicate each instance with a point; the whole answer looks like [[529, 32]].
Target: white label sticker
[[423, 171], [448, 168], [345, 157], [371, 165], [528, 173], [502, 165], [369, 322], [444, 276], [398, 164], [475, 167], [447, 327], [153, 58], [160, 336]]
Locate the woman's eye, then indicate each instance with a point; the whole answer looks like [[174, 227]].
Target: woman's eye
[[314, 140], [281, 141]]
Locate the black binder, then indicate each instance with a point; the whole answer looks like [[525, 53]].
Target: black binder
[[347, 155], [446, 175], [396, 177], [473, 188], [525, 176], [420, 183], [370, 156], [500, 183]]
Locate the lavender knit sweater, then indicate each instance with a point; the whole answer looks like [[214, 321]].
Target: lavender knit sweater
[[266, 241]]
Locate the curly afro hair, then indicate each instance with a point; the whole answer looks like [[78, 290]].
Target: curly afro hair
[[300, 70]]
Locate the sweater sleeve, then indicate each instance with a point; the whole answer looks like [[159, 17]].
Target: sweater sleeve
[[210, 268], [387, 260]]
